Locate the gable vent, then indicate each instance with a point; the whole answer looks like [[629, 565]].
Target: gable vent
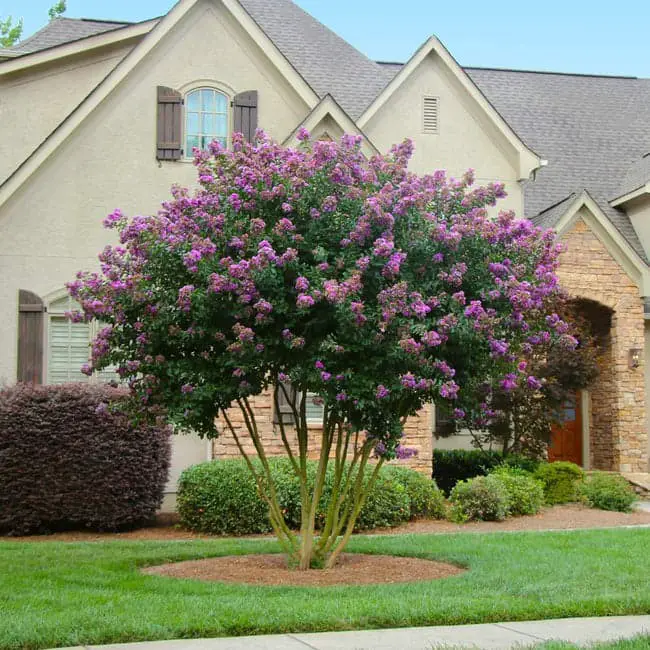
[[430, 115]]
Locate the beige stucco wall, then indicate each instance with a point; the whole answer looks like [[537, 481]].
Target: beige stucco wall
[[52, 226], [33, 103], [466, 138]]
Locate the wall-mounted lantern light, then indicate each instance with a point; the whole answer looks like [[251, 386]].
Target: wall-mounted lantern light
[[634, 357]]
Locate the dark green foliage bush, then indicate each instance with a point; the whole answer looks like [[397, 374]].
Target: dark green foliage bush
[[526, 493], [220, 497], [387, 505], [453, 465], [426, 500], [68, 461], [608, 492], [561, 481], [482, 498]]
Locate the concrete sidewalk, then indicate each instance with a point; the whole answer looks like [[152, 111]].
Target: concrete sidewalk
[[495, 636]]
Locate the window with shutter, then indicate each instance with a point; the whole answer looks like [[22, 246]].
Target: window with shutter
[[284, 412], [69, 346], [206, 119]]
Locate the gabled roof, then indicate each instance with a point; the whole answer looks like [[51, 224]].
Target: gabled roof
[[65, 30], [554, 216], [328, 107]]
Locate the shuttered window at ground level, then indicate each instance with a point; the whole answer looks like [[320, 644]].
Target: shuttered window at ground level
[[68, 346]]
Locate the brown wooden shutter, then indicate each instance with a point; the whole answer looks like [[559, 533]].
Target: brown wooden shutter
[[245, 114], [30, 337], [170, 118], [285, 412]]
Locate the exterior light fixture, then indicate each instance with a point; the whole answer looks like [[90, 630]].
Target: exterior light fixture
[[634, 357]]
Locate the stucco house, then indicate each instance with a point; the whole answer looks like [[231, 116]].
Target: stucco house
[[97, 114]]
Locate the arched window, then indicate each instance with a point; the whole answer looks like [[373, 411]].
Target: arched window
[[206, 118]]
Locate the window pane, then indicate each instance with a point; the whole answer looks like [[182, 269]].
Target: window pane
[[314, 412], [221, 127], [206, 140], [191, 141], [209, 124], [68, 350], [208, 100], [221, 103], [193, 101], [192, 125]]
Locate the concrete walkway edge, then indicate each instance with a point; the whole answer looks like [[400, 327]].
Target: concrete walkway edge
[[491, 636]]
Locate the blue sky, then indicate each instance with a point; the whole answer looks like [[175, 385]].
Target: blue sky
[[595, 37]]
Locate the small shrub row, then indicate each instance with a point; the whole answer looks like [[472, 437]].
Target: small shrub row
[[607, 492], [453, 465], [67, 461], [504, 492], [220, 497]]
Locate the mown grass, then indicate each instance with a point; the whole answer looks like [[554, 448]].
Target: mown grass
[[66, 594]]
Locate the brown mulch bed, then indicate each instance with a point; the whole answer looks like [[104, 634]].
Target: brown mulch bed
[[558, 517], [271, 569]]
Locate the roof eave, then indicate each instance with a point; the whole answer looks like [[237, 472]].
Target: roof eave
[[72, 48], [637, 193]]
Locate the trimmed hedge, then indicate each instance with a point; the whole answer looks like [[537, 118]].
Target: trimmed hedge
[[426, 500], [453, 465], [66, 461], [482, 498], [561, 481], [608, 492], [220, 497]]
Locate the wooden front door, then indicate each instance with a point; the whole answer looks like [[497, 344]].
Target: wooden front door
[[566, 440]]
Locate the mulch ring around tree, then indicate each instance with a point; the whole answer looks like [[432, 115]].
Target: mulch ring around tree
[[272, 569]]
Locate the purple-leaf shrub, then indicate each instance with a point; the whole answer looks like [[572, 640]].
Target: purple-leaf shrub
[[70, 460]]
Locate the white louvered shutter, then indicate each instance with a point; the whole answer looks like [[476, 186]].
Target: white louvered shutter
[[430, 115], [68, 350]]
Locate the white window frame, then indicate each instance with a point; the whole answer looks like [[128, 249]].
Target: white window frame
[[217, 88]]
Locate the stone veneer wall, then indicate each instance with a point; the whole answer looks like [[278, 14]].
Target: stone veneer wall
[[618, 432], [418, 435]]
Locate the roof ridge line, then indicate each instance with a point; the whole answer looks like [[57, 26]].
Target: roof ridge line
[[552, 72]]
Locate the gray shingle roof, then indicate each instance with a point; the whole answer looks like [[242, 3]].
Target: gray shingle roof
[[328, 63], [637, 175], [64, 30]]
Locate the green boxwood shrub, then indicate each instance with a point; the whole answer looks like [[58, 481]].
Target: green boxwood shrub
[[453, 465], [69, 460], [426, 500], [526, 493], [482, 498], [220, 497], [561, 481], [608, 492]]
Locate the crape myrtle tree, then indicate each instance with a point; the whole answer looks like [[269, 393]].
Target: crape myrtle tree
[[353, 280]]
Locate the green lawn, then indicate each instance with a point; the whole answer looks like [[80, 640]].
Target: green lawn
[[65, 594]]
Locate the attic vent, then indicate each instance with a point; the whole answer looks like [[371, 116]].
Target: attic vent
[[430, 115]]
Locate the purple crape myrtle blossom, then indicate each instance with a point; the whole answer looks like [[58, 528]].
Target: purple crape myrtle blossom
[[372, 288], [242, 267]]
